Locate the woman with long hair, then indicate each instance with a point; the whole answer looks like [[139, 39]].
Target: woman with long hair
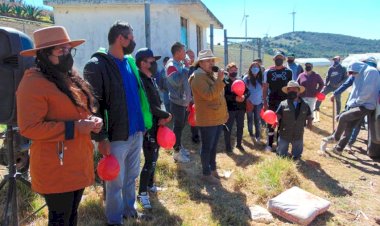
[[54, 110], [254, 82]]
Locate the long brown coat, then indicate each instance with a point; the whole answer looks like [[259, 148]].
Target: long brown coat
[[42, 110]]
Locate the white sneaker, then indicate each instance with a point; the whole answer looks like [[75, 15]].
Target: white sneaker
[[179, 157], [323, 146], [268, 148], [185, 152], [144, 200], [154, 189], [329, 140]]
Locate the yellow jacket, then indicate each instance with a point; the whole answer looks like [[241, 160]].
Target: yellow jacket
[[208, 95]]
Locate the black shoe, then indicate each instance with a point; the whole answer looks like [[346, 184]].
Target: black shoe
[[195, 139], [240, 147], [114, 224], [139, 216]]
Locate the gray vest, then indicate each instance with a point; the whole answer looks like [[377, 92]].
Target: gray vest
[[292, 129]]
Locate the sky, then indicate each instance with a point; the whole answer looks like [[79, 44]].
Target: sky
[[359, 18]]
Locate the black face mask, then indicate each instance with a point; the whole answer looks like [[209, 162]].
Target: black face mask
[[278, 62], [129, 49], [290, 61], [292, 95], [233, 74], [65, 64], [308, 68], [153, 68]]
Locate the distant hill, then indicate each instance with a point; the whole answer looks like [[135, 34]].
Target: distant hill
[[313, 44]]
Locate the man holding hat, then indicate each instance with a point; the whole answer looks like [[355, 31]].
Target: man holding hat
[[336, 75], [293, 113], [275, 78], [210, 110], [146, 62]]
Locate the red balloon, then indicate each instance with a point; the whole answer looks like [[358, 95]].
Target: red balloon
[[191, 116], [108, 168], [165, 137], [262, 113], [270, 117], [238, 87], [320, 96]]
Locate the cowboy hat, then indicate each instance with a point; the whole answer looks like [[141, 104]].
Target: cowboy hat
[[291, 84], [49, 37], [205, 55]]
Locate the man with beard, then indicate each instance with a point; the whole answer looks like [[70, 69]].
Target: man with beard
[[123, 106], [275, 78]]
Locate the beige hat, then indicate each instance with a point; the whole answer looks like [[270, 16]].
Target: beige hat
[[293, 83], [205, 55], [49, 37]]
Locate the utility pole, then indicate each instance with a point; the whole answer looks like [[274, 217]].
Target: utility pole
[[246, 17], [147, 23], [294, 18]]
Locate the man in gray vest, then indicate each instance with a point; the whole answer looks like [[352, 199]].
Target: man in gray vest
[[293, 113]]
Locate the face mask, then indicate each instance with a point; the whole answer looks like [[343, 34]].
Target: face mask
[[336, 63], [292, 95], [65, 64], [290, 61], [255, 70], [129, 49], [278, 62], [233, 74], [308, 68], [153, 68]]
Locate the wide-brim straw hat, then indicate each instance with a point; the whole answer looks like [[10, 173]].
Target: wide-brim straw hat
[[49, 37], [205, 55], [293, 83]]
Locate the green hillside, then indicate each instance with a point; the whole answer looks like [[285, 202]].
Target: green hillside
[[313, 44]]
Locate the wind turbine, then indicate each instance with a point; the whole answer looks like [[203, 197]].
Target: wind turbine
[[294, 18], [245, 17]]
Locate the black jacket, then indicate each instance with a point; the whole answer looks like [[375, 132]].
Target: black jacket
[[104, 76], [230, 96]]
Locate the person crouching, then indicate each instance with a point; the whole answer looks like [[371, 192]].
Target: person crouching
[[293, 113]]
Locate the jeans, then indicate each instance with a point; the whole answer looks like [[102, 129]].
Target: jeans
[[355, 133], [239, 117], [327, 90], [209, 137], [120, 192], [283, 145], [348, 120], [165, 95], [179, 116], [63, 207], [150, 149], [255, 115]]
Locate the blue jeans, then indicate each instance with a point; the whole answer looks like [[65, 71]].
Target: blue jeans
[[121, 192], [237, 116], [283, 146], [255, 115], [209, 137]]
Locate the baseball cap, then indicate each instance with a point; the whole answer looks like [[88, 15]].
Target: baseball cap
[[145, 53], [336, 57], [279, 53]]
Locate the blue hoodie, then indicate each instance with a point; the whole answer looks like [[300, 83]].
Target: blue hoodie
[[366, 86]]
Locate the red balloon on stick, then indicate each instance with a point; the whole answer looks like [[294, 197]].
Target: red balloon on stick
[[320, 96], [191, 116], [270, 117], [108, 168], [165, 137], [238, 87]]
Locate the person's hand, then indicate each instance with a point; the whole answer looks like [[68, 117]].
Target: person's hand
[[163, 121], [104, 147], [265, 106], [332, 98], [239, 99], [221, 74], [274, 125], [98, 124], [85, 126]]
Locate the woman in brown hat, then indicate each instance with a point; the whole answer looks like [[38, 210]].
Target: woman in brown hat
[[54, 108]]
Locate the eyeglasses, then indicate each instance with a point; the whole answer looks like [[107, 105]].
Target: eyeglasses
[[66, 51]]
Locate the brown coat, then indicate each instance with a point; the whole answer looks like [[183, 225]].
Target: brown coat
[[42, 110], [208, 95]]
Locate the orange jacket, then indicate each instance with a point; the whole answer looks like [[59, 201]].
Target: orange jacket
[[42, 110]]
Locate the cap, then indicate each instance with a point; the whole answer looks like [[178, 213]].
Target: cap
[[279, 53], [336, 57], [291, 55], [145, 53]]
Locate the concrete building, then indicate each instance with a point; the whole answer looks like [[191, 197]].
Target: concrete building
[[170, 21]]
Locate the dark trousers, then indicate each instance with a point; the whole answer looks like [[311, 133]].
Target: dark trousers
[[209, 137], [150, 149], [63, 207], [179, 116], [348, 120], [271, 131], [237, 116], [194, 132]]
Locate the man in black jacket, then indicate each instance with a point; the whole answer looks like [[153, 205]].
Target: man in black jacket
[[236, 110], [146, 62], [124, 108]]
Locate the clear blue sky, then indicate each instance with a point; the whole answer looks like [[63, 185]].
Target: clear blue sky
[[359, 18]]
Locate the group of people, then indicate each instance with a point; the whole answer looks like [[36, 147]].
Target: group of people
[[118, 103]]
